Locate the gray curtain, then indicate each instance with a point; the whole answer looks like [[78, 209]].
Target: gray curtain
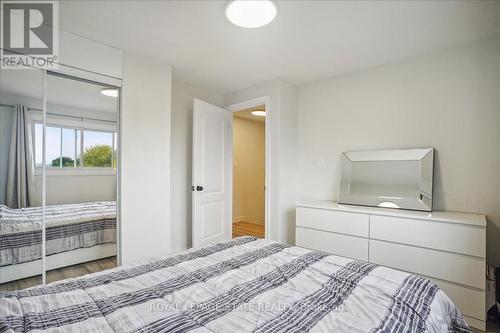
[[21, 174]]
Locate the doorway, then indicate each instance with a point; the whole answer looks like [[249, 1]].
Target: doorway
[[249, 172], [212, 187]]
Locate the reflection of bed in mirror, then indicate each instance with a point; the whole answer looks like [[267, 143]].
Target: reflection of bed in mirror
[[75, 233]]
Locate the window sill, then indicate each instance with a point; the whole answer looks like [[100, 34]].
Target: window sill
[[77, 172]]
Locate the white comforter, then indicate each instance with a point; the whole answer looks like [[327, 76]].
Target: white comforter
[[244, 285]]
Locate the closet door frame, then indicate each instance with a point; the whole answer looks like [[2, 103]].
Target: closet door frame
[[44, 177]]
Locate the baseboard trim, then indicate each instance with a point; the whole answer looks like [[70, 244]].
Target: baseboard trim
[[247, 220], [239, 219]]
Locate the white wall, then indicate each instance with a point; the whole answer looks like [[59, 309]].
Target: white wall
[[74, 51], [282, 135], [145, 159], [288, 161], [448, 100], [62, 189], [181, 157]]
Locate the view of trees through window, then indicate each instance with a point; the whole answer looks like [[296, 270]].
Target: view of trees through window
[[98, 156], [64, 146]]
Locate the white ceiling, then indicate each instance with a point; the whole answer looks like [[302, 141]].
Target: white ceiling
[[307, 41]]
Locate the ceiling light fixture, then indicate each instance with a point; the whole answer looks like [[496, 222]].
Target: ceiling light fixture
[[259, 113], [251, 13], [111, 92]]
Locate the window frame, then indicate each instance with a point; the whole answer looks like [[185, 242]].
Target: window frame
[[83, 126]]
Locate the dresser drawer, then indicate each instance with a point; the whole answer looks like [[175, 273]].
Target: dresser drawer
[[469, 301], [341, 245], [431, 234], [341, 222], [437, 264]]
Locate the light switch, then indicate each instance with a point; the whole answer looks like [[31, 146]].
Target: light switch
[[321, 163]]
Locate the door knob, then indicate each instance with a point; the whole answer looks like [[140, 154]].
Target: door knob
[[199, 188]]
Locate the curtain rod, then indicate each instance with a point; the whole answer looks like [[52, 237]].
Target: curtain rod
[[63, 115]]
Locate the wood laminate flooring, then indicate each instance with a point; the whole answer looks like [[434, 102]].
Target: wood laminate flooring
[[248, 229], [61, 273]]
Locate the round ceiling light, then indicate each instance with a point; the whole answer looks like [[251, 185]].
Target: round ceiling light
[[259, 113], [251, 13], [111, 92]]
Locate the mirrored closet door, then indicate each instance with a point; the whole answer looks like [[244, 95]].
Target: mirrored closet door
[[81, 191], [70, 149], [21, 99]]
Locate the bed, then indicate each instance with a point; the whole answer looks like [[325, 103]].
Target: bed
[[243, 285], [74, 233]]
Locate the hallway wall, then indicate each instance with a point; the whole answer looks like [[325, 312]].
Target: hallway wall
[[248, 171]]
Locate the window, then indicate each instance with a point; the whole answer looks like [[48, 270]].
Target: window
[[98, 149], [65, 146]]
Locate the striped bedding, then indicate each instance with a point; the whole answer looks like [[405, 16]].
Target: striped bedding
[[244, 285], [68, 227]]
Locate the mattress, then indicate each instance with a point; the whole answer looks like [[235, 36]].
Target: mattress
[[68, 227], [243, 285]]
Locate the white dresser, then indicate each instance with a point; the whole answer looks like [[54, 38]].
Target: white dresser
[[446, 247]]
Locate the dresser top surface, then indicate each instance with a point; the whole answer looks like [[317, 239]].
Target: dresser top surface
[[442, 216]]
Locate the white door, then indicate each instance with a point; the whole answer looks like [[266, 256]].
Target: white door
[[212, 173]]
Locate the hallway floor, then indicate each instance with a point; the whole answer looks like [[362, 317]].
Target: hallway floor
[[248, 229]]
